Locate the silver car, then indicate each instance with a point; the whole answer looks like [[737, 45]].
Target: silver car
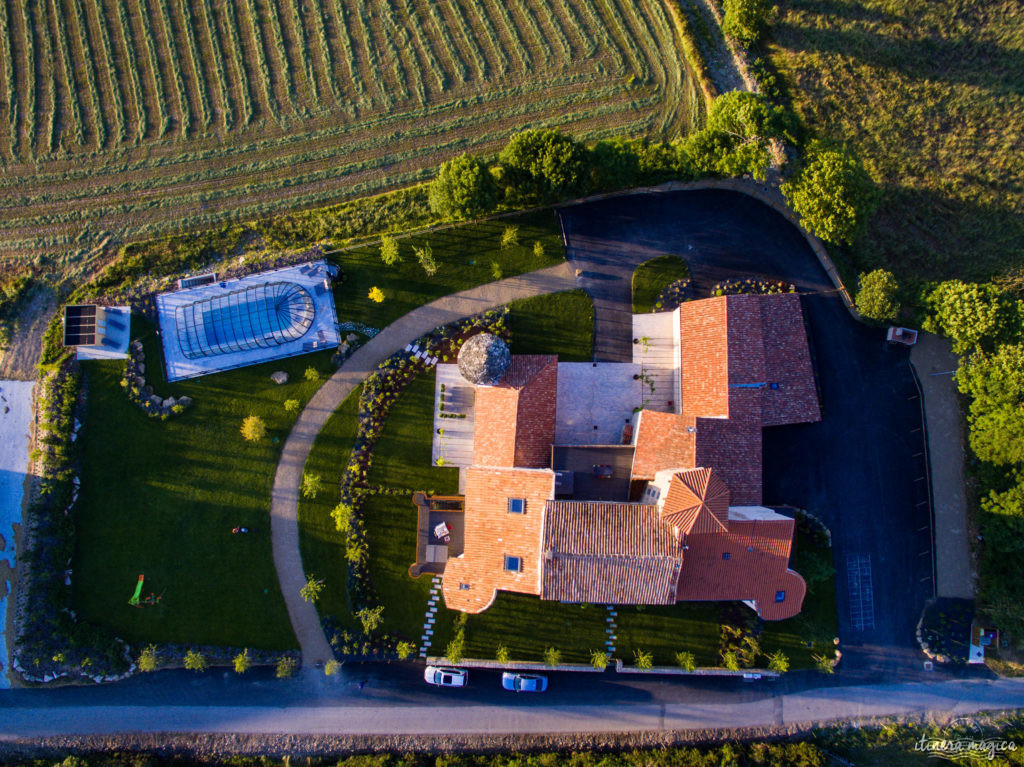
[[524, 682], [445, 676]]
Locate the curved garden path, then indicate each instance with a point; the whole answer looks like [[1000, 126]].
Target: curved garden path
[[284, 499]]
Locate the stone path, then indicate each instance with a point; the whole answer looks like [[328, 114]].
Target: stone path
[[428, 625], [609, 642], [284, 526], [934, 362]]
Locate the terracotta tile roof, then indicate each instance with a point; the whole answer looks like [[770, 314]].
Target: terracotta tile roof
[[514, 421], [787, 362], [697, 502], [492, 532], [756, 569], [615, 553], [704, 358], [733, 448], [662, 442]]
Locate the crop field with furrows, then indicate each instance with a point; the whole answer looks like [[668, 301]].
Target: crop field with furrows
[[132, 118]]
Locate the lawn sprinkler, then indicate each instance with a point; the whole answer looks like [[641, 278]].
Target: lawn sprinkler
[[140, 601]]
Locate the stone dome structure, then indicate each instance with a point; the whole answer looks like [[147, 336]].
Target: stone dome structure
[[483, 359]]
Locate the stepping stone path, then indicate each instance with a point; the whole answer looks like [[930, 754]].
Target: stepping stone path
[[419, 354], [610, 630], [431, 616]]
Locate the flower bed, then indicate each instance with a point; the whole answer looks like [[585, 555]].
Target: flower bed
[[752, 286], [944, 631], [133, 381], [672, 295]]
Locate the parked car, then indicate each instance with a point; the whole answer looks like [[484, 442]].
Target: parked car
[[602, 471], [524, 682], [444, 676]]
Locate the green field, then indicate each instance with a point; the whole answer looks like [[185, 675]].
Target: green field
[[161, 498], [139, 117], [929, 93]]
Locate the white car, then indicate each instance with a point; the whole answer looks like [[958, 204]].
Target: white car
[[524, 682], [443, 676]]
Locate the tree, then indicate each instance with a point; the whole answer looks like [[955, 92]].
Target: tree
[[371, 618], [456, 648], [997, 436], [972, 315], [463, 188], [253, 428], [746, 20], [833, 195], [425, 256], [877, 297], [405, 649], [643, 660], [242, 662], [291, 406], [685, 660], [552, 656], [342, 516], [148, 659], [311, 485], [313, 589], [543, 166], [194, 661], [285, 667], [331, 667], [730, 661], [538, 249], [502, 654], [614, 164], [389, 250], [376, 295], [993, 380], [778, 661], [312, 374], [599, 659]]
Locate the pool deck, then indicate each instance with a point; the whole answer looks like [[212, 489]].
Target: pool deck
[[322, 334]]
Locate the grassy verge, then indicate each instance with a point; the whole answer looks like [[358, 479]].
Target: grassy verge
[[653, 276], [560, 323], [664, 631], [161, 499], [466, 256], [322, 547]]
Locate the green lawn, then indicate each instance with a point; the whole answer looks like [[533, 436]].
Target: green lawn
[[161, 499], [652, 277], [402, 455], [322, 547], [527, 626], [664, 631], [464, 256], [559, 323]]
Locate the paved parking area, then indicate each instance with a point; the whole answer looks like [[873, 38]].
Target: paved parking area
[[862, 469]]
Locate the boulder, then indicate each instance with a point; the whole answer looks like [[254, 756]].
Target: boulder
[[168, 403], [141, 356], [155, 401], [351, 337], [279, 377], [149, 391], [184, 401], [141, 368], [140, 382]]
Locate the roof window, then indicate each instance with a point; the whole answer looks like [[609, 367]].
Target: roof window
[[516, 505]]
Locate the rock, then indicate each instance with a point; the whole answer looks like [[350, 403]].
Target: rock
[[149, 391], [141, 369], [137, 345], [351, 337], [279, 377], [184, 401], [169, 403], [155, 401], [141, 356], [140, 382]]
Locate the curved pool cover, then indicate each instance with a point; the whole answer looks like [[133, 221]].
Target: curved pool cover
[[258, 316]]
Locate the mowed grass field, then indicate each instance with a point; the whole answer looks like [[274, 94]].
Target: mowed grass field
[[930, 93], [138, 117]]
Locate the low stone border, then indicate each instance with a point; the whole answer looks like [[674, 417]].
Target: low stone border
[[586, 668], [134, 383], [757, 673]]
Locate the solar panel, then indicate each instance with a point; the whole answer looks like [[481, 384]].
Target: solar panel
[[80, 325]]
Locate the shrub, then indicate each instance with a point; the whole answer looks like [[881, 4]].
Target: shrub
[[376, 295], [730, 661], [147, 660], [538, 249], [285, 667], [778, 661], [311, 485], [291, 406], [502, 654], [455, 651], [312, 375], [313, 588], [823, 663], [745, 20], [371, 618], [685, 660], [242, 662], [552, 656], [425, 255], [599, 659], [331, 667], [877, 300], [194, 661], [463, 188], [643, 660], [833, 195], [405, 649], [342, 516], [389, 252], [253, 428], [510, 237], [496, 273]]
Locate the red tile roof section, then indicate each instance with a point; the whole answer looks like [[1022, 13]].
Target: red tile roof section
[[514, 421], [662, 442], [788, 362], [704, 358], [757, 567], [492, 532], [613, 553], [697, 502]]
